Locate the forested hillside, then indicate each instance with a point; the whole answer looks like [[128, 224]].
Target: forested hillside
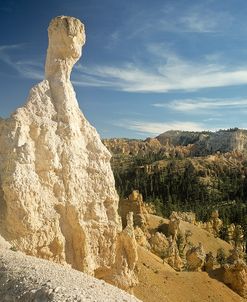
[[173, 178]]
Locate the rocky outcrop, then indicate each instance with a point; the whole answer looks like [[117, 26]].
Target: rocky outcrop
[[235, 275], [214, 225], [209, 262], [235, 236], [178, 138], [132, 147], [172, 256], [187, 216], [57, 191], [174, 223], [224, 141], [141, 238], [159, 244], [122, 274], [195, 258], [230, 233], [216, 222], [134, 203], [207, 142], [181, 144]]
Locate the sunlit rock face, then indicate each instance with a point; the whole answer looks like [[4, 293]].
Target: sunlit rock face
[[57, 191]]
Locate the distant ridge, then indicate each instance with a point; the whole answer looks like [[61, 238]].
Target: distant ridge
[[197, 143]]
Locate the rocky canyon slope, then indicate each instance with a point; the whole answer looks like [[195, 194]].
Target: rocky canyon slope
[[57, 191]]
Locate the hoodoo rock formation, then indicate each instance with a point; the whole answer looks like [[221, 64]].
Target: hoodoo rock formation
[[134, 203], [235, 273], [195, 258], [57, 191]]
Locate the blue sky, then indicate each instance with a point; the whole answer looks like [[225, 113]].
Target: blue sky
[[147, 66]]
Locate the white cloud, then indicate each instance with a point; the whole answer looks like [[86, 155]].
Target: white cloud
[[27, 69], [201, 20], [195, 23], [125, 78], [175, 18], [30, 69], [195, 105], [167, 73], [4, 53], [154, 128], [174, 74]]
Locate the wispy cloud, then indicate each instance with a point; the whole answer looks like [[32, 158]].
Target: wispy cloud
[[126, 78], [30, 69], [198, 19], [174, 74], [161, 70], [199, 104], [174, 17], [4, 53], [167, 73], [27, 69], [153, 128]]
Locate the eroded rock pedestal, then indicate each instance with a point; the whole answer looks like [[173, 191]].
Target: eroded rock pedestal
[[57, 191], [134, 203], [195, 258], [235, 275]]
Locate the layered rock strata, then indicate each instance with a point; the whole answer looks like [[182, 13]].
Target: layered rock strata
[[57, 191]]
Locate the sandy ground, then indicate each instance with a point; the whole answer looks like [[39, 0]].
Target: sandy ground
[[160, 283]]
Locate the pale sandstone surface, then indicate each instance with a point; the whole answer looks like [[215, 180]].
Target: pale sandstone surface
[[28, 279], [4, 244], [57, 191], [123, 273]]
